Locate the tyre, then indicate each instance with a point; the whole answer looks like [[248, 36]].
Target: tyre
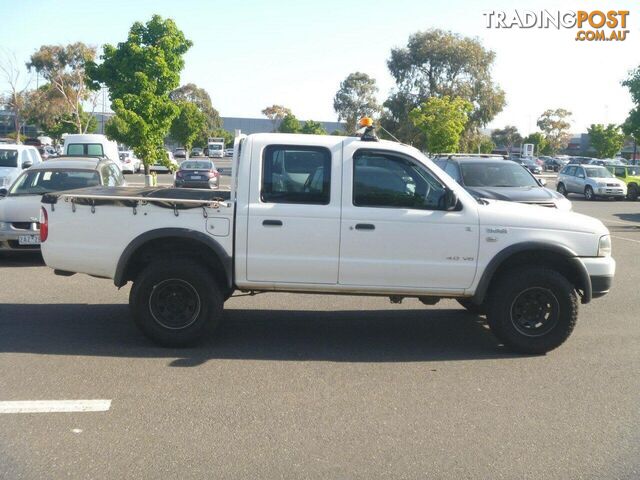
[[562, 189], [471, 307], [588, 193], [533, 310], [632, 192], [176, 302]]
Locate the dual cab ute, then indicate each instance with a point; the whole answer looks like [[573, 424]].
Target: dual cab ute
[[331, 215]]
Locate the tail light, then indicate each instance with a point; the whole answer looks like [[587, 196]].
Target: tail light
[[213, 174], [44, 225], [179, 174]]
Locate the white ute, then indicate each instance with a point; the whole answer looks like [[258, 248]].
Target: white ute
[[331, 215]]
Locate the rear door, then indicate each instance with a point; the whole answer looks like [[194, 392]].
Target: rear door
[[293, 229]]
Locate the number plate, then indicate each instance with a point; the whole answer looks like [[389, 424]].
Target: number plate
[[29, 240], [196, 177]]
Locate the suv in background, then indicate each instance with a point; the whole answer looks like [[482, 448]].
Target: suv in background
[[629, 175], [501, 180], [15, 158], [592, 181]]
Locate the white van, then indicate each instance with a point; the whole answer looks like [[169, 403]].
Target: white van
[[14, 159], [91, 145]]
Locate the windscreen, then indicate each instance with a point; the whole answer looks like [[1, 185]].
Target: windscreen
[[505, 174], [598, 172], [39, 182], [8, 158]]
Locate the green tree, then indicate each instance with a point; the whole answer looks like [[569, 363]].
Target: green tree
[[540, 145], [436, 63], [16, 97], [140, 73], [276, 113], [355, 99], [632, 82], [555, 126], [631, 125], [188, 125], [475, 142], [64, 67], [311, 127], [442, 121], [199, 97], [506, 137], [607, 141], [289, 124]]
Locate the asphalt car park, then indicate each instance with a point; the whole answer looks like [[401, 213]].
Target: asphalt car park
[[301, 386]]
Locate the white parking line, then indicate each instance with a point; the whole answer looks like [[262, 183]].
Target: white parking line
[[54, 406], [627, 239]]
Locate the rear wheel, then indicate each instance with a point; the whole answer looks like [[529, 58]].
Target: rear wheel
[[588, 193], [533, 310], [632, 192], [176, 302], [562, 190]]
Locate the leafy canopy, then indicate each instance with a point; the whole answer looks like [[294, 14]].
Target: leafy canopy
[[555, 125], [442, 121], [289, 124], [140, 73], [188, 125], [355, 99], [607, 141]]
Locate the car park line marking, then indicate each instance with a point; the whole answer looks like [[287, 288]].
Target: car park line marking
[[627, 239], [54, 406]]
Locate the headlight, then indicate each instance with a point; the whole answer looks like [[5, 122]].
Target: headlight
[[564, 204], [4, 225], [604, 246], [4, 181]]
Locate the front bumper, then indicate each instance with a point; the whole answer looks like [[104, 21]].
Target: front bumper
[[611, 192], [601, 271], [10, 237]]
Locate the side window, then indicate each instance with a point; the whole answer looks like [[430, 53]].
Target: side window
[[570, 171], [95, 149], [620, 172], [35, 156], [116, 174], [452, 170], [579, 172], [292, 174], [381, 179], [75, 149], [106, 176]]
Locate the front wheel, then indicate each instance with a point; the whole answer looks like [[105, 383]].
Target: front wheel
[[533, 310], [562, 190], [175, 302], [632, 193], [588, 193]]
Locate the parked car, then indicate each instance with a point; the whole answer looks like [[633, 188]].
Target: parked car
[[129, 162], [501, 180], [326, 214], [629, 174], [197, 174], [14, 159], [180, 153], [47, 152], [553, 164], [197, 152], [20, 204], [580, 160], [228, 152], [605, 162], [592, 181], [159, 168], [530, 164]]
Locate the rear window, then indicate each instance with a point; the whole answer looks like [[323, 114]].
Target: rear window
[[85, 149], [38, 182], [199, 165], [8, 158]]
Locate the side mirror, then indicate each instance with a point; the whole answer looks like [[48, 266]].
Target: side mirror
[[542, 182], [27, 164], [3, 192], [450, 200]]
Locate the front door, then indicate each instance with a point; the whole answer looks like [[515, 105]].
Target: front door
[[395, 232], [294, 216]]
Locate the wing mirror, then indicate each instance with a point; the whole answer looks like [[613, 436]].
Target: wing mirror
[[27, 164], [450, 200], [3, 192], [542, 182]]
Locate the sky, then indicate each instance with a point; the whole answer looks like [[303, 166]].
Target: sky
[[249, 54]]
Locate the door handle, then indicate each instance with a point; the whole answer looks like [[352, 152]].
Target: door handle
[[365, 226], [272, 223]]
